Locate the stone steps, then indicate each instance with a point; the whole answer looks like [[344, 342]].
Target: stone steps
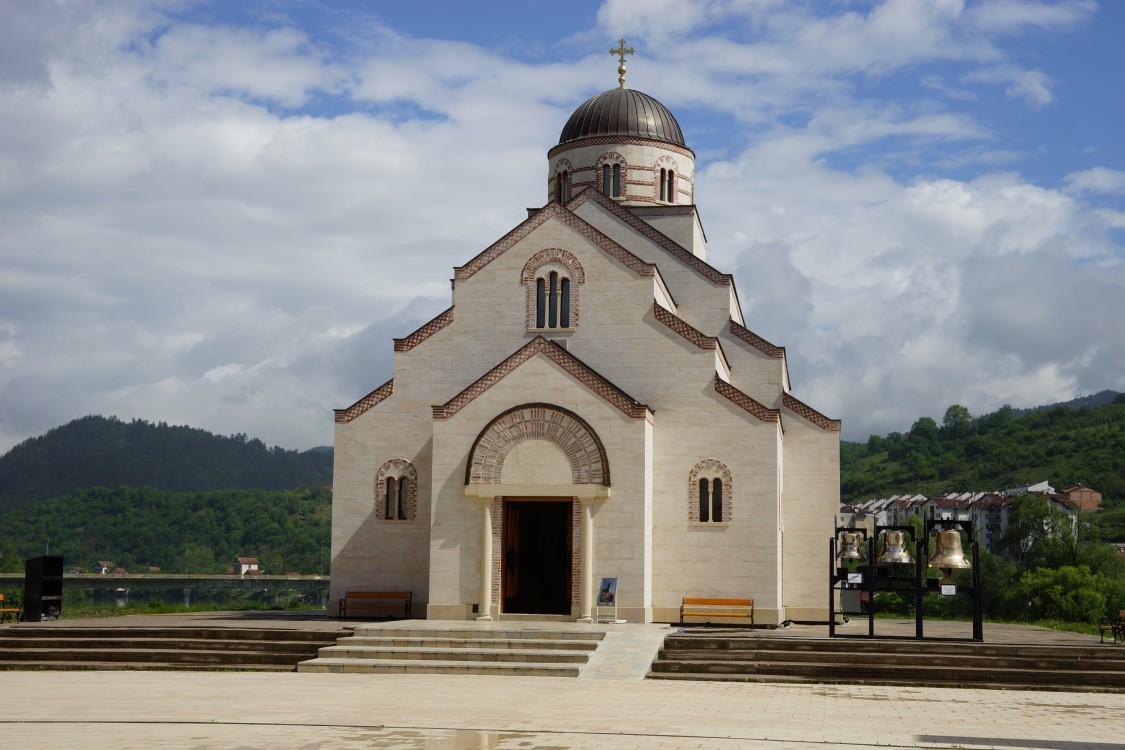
[[891, 662], [500, 651], [124, 647]]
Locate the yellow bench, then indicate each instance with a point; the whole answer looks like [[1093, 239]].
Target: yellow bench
[[376, 601], [698, 607], [5, 611]]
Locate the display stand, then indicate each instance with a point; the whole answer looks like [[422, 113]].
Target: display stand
[[607, 602]]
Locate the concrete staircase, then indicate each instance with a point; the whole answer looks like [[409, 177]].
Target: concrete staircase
[[44, 646], [1097, 667], [435, 650]]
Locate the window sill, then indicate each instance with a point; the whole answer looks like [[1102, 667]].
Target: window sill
[[396, 521], [710, 524], [551, 330]]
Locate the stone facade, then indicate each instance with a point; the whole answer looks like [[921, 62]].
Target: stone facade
[[652, 438]]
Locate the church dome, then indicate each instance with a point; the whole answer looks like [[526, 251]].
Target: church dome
[[623, 112]]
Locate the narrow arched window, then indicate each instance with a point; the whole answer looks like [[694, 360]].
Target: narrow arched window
[[664, 184], [553, 300], [391, 511], [616, 180], [564, 303], [562, 188], [671, 187], [606, 184], [401, 503], [704, 500], [540, 302], [717, 500]]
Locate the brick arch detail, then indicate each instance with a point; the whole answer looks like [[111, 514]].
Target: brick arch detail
[[573, 436], [664, 162], [709, 468], [398, 468], [539, 265], [611, 158]]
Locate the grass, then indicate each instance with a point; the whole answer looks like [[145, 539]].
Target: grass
[[81, 612]]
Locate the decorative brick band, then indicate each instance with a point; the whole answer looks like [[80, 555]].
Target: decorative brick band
[[565, 429], [680, 326], [568, 218], [365, 403], [712, 469], [399, 469], [756, 341], [649, 232], [747, 404], [613, 140], [804, 410], [662, 210], [423, 333], [561, 357]]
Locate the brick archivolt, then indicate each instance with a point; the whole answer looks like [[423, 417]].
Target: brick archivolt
[[565, 430], [709, 468], [397, 468]]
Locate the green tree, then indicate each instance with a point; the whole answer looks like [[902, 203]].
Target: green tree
[[957, 423]]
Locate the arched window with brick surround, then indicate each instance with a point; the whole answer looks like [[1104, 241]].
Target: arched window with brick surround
[[612, 169], [709, 492], [396, 492], [552, 277]]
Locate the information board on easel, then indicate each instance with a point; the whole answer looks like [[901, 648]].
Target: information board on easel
[[606, 607]]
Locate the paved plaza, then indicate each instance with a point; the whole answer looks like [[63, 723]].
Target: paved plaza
[[609, 706]]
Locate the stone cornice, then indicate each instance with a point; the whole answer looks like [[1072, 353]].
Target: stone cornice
[[423, 333], [802, 409], [746, 403], [654, 235], [567, 217], [756, 341], [561, 357], [365, 403], [611, 140]]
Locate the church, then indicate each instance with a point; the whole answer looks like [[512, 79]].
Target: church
[[591, 405]]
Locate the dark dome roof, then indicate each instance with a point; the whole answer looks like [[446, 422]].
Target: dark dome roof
[[623, 112]]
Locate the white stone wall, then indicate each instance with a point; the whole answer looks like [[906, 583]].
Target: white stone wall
[[780, 482]]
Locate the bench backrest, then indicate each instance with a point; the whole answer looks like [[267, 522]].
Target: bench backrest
[[377, 595], [720, 602]]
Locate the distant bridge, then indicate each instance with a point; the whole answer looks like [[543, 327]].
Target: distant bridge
[[181, 582]]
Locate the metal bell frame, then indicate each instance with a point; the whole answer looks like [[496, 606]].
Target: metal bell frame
[[881, 577]]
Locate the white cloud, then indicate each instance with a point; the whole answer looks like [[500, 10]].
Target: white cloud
[[186, 240], [1096, 180]]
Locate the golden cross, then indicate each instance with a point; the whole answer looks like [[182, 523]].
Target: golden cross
[[621, 51]]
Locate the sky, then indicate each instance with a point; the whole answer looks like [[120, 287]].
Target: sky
[[219, 214]]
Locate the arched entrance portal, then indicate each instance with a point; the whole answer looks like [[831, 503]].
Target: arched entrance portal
[[536, 469]]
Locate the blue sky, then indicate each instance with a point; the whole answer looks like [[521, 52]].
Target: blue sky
[[219, 214]]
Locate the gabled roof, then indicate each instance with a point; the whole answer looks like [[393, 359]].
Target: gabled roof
[[651, 233], [569, 218], [573, 366]]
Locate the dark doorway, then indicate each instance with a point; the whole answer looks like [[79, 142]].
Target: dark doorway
[[536, 557]]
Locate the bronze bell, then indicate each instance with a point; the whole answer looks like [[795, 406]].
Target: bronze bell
[[947, 552], [894, 549], [851, 548]]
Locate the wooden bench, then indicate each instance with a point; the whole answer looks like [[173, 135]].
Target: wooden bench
[[1113, 627], [5, 611], [376, 601], [697, 607]]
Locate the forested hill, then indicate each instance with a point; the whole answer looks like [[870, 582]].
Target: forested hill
[[97, 451], [1060, 444]]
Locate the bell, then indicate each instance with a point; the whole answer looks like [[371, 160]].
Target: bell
[[851, 549], [947, 552], [894, 549]]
